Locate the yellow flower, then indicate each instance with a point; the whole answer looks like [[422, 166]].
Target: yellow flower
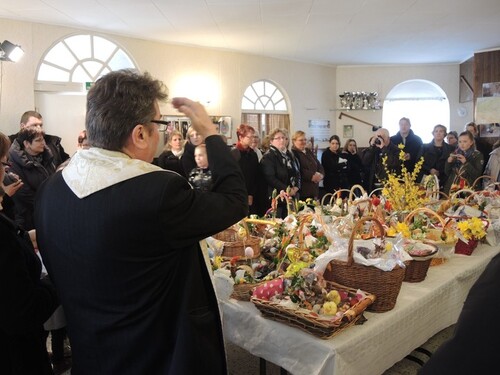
[[402, 189], [404, 229], [472, 229]]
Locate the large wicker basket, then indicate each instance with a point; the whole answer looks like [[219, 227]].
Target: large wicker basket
[[311, 322], [234, 245], [385, 285]]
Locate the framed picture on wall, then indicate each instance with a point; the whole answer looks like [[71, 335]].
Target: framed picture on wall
[[224, 125], [348, 131]]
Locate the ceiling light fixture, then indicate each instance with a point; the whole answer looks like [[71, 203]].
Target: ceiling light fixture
[[10, 52]]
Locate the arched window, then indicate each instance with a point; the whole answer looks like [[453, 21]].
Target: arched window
[[423, 102], [264, 107], [82, 58]]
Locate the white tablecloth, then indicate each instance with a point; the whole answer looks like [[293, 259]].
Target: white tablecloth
[[422, 310]]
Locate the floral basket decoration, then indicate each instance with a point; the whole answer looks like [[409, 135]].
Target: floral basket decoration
[[471, 231], [242, 274], [237, 239], [308, 302], [374, 271], [304, 241], [401, 190], [423, 224]]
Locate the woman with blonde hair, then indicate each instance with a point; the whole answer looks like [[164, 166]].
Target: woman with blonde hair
[[355, 169], [311, 170], [193, 139], [280, 168], [172, 153]]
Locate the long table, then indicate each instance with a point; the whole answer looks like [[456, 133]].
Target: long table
[[422, 310]]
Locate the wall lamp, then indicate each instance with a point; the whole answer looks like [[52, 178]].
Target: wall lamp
[[10, 52]]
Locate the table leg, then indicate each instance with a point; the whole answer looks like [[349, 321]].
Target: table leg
[[262, 366]]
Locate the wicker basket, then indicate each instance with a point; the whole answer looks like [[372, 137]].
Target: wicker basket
[[235, 246], [243, 292], [311, 322], [416, 269], [445, 249], [383, 284]]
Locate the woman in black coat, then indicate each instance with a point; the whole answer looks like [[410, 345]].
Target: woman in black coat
[[280, 168], [171, 156], [249, 164], [335, 167], [355, 169], [33, 162], [27, 301]]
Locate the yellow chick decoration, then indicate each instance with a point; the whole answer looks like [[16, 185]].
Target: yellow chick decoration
[[333, 296], [329, 308]]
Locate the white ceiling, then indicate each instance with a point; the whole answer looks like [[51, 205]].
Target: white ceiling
[[334, 32]]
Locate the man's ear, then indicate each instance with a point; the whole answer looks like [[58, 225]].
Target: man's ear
[[26, 144], [139, 136]]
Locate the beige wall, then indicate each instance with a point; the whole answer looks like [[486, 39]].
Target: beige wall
[[383, 78], [312, 90], [306, 85]]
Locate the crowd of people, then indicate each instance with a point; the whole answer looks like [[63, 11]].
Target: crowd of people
[[119, 236], [287, 163]]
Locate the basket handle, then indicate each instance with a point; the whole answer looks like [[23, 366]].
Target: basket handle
[[357, 227], [426, 211], [454, 195], [479, 179], [353, 189], [336, 194], [375, 191], [325, 196]]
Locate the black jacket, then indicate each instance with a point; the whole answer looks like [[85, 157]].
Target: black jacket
[[435, 158], [277, 174], [475, 340], [413, 146], [32, 173], [53, 142], [374, 169], [167, 160], [27, 302], [335, 172], [130, 273]]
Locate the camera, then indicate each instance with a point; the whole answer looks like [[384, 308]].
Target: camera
[[377, 141], [12, 177]]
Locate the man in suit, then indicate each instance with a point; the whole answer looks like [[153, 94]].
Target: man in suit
[[120, 238], [53, 142]]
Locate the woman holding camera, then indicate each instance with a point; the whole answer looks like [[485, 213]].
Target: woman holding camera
[[465, 163]]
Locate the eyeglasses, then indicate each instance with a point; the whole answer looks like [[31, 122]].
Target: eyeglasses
[[279, 138], [162, 125]]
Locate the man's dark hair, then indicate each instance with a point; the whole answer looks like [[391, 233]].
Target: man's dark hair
[[119, 101]]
